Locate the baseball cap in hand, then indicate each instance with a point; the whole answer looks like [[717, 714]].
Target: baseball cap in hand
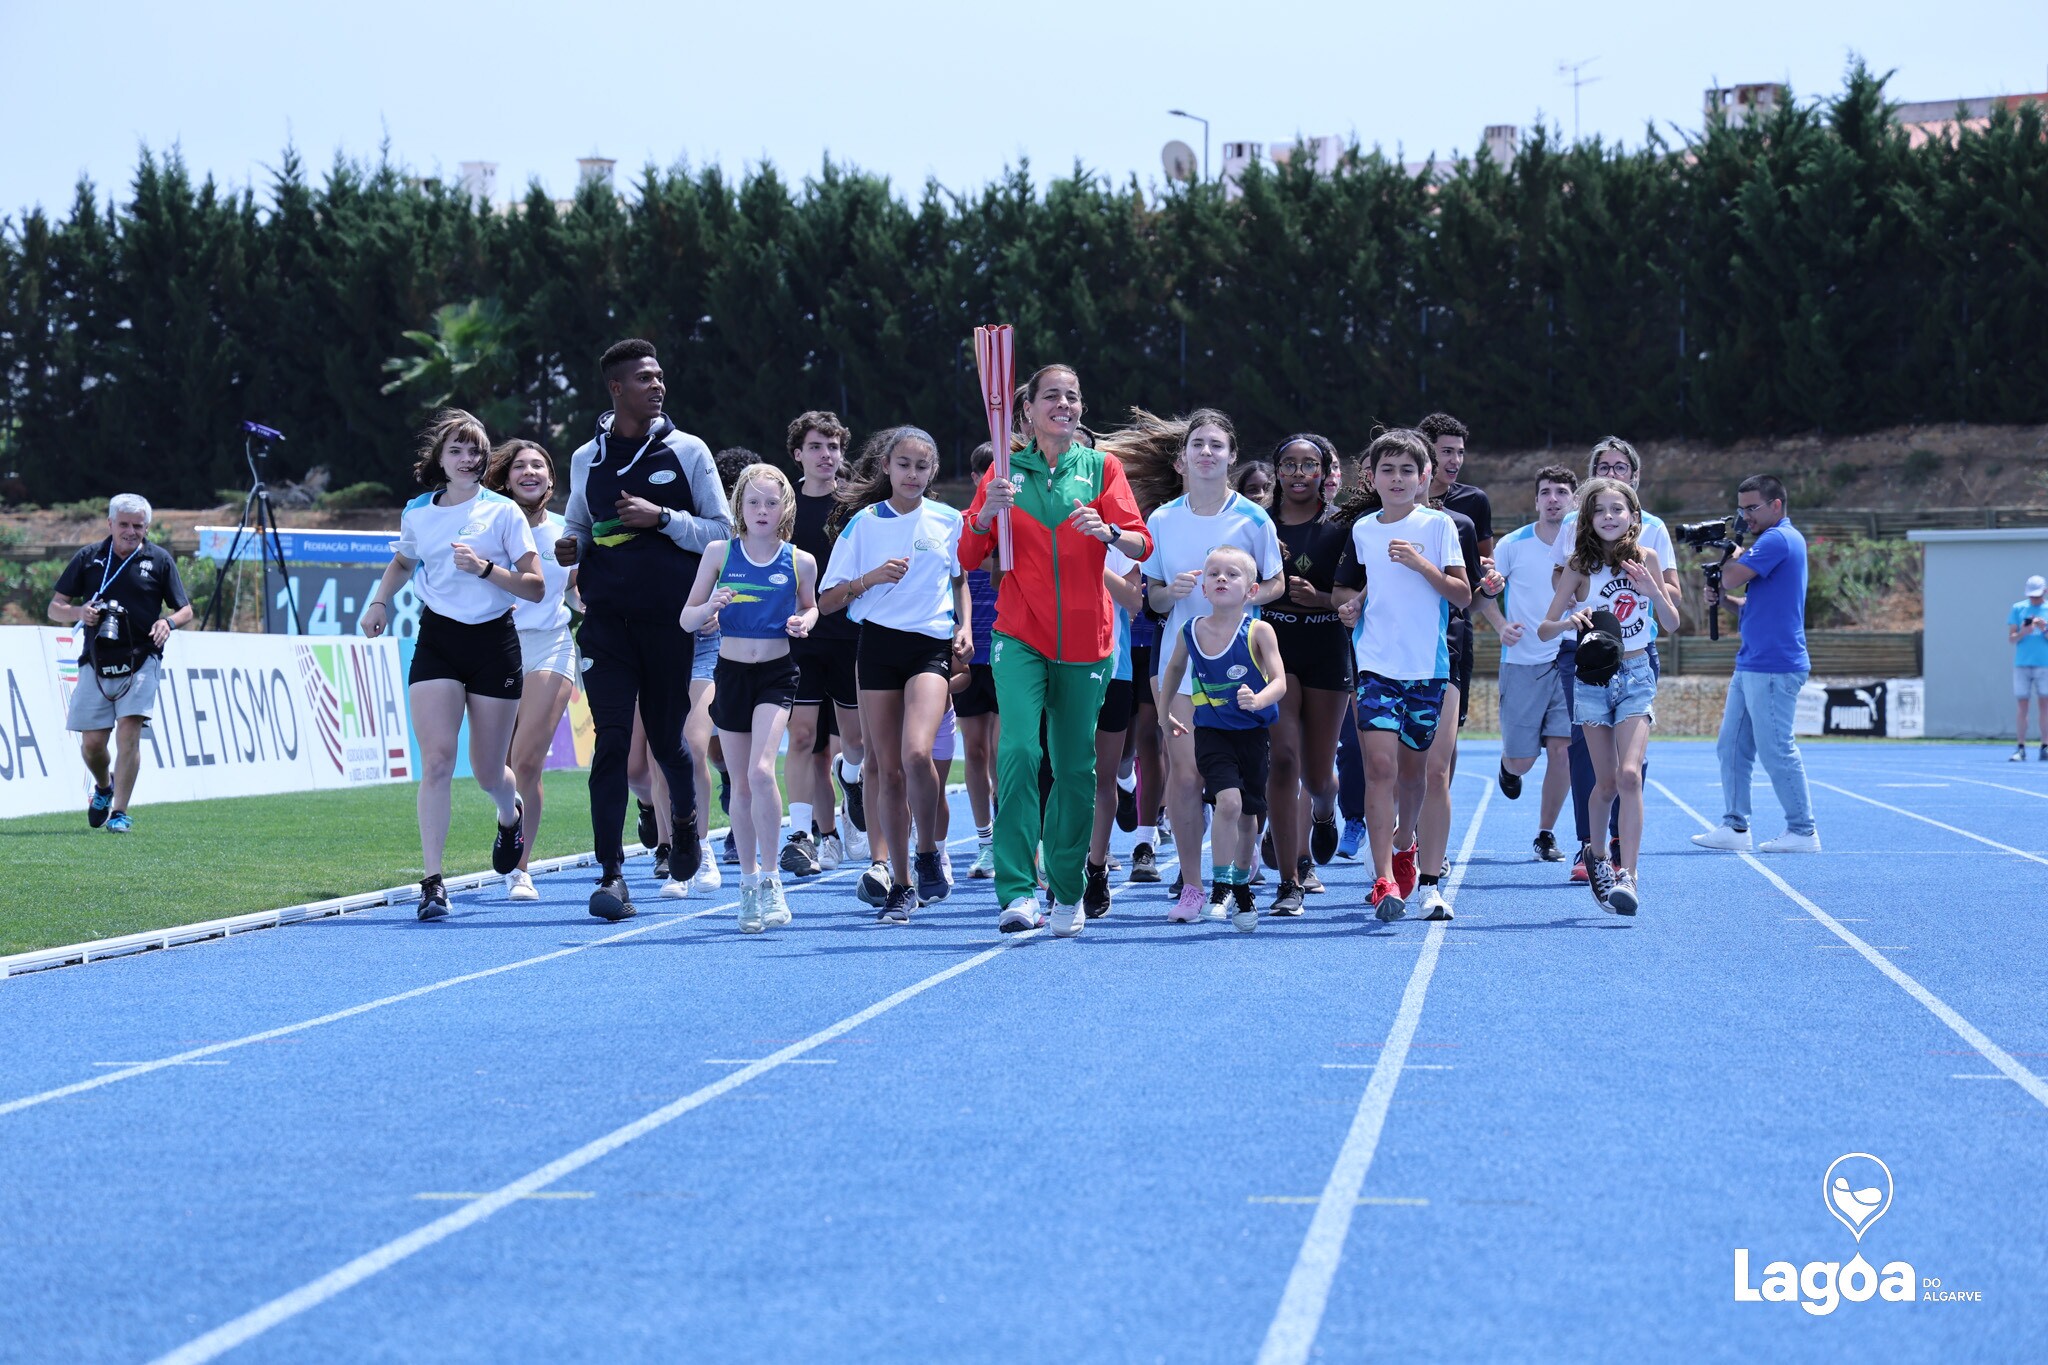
[[2036, 586], [1599, 657]]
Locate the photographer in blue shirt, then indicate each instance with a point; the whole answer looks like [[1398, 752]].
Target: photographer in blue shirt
[[2026, 630], [1770, 668]]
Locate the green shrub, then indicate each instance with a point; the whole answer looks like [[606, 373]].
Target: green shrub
[[1846, 578], [85, 509], [1920, 465], [357, 495]]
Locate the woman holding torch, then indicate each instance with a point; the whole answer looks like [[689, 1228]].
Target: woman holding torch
[[1067, 507]]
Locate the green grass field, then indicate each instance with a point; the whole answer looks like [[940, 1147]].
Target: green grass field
[[200, 860]]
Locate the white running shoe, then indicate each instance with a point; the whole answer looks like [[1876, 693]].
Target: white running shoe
[[984, 862], [946, 865], [775, 911], [831, 853], [707, 878], [1067, 921], [519, 886], [752, 920], [1788, 842], [1722, 837], [856, 845], [1019, 915], [1217, 907], [1430, 904], [673, 890]]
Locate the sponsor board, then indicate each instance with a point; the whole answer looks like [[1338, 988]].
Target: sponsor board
[[235, 715]]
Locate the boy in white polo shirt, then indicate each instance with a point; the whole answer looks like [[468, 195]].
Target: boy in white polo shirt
[[1534, 716]]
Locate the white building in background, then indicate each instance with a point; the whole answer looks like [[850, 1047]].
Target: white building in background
[[1502, 141], [1237, 156], [479, 180], [1743, 103]]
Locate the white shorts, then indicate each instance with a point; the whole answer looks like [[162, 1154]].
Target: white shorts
[[548, 650], [2029, 680]]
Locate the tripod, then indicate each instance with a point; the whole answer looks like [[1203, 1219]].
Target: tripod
[[259, 521]]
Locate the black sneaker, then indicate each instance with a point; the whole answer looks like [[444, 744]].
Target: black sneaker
[[1600, 876], [2044, 753], [1510, 784], [612, 901], [856, 802], [661, 852], [873, 885], [800, 855], [896, 908], [932, 885], [729, 851], [510, 844], [1126, 810], [1289, 902], [1180, 884], [1322, 838], [646, 829], [1305, 877], [685, 855], [103, 801], [1144, 864], [1266, 853], [1095, 890], [433, 898], [1547, 849]]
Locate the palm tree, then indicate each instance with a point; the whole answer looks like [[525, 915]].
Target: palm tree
[[467, 361]]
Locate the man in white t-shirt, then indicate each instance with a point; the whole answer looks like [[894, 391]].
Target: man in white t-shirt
[[1613, 458], [1534, 715]]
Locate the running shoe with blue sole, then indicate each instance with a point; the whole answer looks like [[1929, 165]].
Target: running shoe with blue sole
[[102, 802]]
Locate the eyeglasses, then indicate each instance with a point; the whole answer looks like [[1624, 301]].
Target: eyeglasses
[[1620, 470], [1749, 507], [1301, 466]]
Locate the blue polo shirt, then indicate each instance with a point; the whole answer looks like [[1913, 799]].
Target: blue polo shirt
[[2032, 650], [1774, 614]]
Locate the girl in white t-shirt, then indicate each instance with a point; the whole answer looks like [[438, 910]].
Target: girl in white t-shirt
[[1611, 571], [470, 555], [1198, 452], [896, 569], [523, 471]]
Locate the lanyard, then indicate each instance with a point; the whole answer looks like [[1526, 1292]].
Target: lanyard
[[109, 575]]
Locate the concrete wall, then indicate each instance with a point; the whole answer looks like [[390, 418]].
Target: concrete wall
[[1972, 579]]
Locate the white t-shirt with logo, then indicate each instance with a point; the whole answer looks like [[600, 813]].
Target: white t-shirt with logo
[[1613, 590], [493, 527], [1181, 541], [1526, 562], [1401, 629], [922, 600], [552, 611], [1654, 536]]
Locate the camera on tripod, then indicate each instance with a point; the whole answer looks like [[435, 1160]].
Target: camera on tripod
[[1712, 535]]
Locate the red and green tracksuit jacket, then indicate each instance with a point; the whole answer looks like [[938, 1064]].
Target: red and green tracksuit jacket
[[1052, 598]]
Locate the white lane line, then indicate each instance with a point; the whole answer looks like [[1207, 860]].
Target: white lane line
[[749, 1061], [1963, 1028], [1978, 1076], [1928, 820], [146, 1064], [464, 1196], [1368, 1066], [1973, 781], [1927, 785], [285, 1307], [1292, 1332], [1377, 1200], [188, 1058]]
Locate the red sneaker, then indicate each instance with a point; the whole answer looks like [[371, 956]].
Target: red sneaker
[[1387, 901], [1404, 870], [1579, 867]]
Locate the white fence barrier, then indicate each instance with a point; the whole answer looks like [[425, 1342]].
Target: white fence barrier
[[236, 715]]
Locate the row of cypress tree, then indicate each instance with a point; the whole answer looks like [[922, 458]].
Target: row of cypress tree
[[1812, 270]]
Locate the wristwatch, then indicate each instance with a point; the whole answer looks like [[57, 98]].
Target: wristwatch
[[662, 524]]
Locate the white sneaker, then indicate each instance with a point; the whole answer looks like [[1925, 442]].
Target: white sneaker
[[519, 886], [775, 911], [1019, 915], [984, 862], [1430, 904], [752, 920], [1788, 842], [856, 845], [673, 890], [831, 853], [1722, 837], [946, 865], [1067, 921], [706, 879]]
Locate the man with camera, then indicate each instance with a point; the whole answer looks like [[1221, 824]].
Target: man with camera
[[2026, 630], [118, 590], [1770, 668]]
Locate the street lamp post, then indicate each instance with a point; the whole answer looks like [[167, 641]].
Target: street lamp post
[[1182, 113]]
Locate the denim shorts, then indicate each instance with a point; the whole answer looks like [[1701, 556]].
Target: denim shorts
[[704, 662], [1632, 691]]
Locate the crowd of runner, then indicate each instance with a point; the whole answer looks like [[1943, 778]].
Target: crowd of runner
[[1188, 642]]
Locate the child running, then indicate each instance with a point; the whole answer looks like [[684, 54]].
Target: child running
[[1227, 651], [1610, 570], [896, 570], [761, 590], [1399, 579]]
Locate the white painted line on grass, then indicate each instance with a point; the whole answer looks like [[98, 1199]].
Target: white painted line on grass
[[188, 1058], [282, 1309], [1292, 1332], [1928, 820], [1963, 1028]]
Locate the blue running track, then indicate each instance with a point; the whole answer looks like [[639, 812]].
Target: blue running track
[[1537, 1133]]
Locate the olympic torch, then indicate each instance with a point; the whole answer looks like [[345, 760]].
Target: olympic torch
[[995, 357]]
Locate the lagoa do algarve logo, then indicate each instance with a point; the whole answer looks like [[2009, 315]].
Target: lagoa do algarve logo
[[1857, 1190]]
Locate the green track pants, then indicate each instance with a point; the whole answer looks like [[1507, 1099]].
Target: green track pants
[[1069, 697]]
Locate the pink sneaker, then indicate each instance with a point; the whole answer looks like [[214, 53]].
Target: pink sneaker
[[1188, 909]]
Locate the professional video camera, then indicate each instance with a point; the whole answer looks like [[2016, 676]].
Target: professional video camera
[[1712, 535]]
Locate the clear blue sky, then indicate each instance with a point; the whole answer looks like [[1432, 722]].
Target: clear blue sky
[[953, 90]]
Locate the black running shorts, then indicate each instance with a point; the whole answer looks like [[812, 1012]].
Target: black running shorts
[[978, 698], [825, 672], [889, 659], [1236, 759], [484, 658], [739, 687], [1115, 716]]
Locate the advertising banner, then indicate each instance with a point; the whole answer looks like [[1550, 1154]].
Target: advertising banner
[[235, 715]]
